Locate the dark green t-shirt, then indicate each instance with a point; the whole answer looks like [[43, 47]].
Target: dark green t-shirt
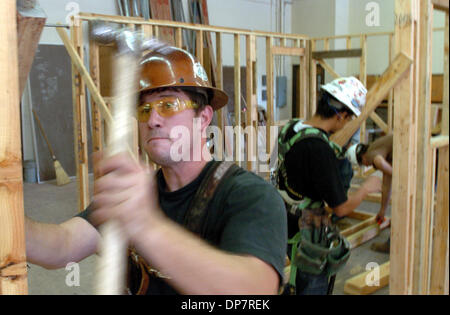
[[246, 216]]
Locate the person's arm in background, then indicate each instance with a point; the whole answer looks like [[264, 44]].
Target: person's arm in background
[[53, 246], [385, 196], [381, 164], [326, 178], [370, 185]]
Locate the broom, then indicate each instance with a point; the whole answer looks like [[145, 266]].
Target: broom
[[61, 176]]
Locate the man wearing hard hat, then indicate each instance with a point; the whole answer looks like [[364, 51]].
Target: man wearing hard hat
[[309, 179]]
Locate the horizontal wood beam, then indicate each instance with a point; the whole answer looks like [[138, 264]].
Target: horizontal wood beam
[[436, 29], [358, 285], [367, 233], [345, 53], [441, 5], [359, 226], [360, 215], [207, 28], [288, 51], [379, 90]]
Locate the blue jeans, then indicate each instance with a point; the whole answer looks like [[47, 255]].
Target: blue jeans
[[308, 284]]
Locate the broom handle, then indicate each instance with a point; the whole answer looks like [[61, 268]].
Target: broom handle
[[44, 135]]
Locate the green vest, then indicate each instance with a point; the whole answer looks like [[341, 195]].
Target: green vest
[[314, 250], [284, 145]]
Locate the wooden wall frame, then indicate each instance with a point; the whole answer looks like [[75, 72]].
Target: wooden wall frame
[[91, 79], [419, 245]]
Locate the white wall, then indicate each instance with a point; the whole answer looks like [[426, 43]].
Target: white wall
[[312, 18], [377, 47], [316, 18], [341, 27]]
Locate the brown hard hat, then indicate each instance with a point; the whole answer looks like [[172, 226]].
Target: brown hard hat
[[175, 67]]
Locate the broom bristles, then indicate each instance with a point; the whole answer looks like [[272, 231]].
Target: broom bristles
[[61, 176]]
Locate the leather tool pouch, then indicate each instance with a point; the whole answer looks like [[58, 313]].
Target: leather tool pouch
[[321, 249]]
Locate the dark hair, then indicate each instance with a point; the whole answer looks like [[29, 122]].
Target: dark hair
[[326, 110], [198, 98], [361, 149]]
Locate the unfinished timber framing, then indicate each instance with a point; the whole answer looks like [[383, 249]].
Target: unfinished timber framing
[[318, 58], [13, 270], [419, 242], [419, 246], [419, 255], [438, 248], [375, 95], [80, 118], [420, 235], [291, 44]]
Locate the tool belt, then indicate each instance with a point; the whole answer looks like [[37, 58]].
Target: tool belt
[[317, 248], [321, 249]]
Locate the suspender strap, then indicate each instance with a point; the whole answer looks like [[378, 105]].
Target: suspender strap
[[197, 212], [194, 221]]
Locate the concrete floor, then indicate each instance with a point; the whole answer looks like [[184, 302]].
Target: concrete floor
[[52, 204]]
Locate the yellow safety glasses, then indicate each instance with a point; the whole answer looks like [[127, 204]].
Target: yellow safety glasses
[[165, 107]]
